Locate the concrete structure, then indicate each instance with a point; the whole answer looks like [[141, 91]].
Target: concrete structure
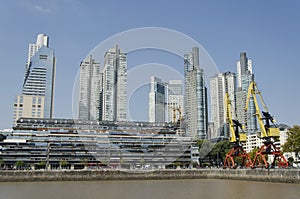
[[28, 106], [157, 100], [90, 90], [165, 100], [78, 144], [195, 96], [39, 79], [244, 78], [253, 140], [259, 175], [175, 101], [220, 84], [114, 106]]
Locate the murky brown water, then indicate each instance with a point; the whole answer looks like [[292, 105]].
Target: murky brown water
[[151, 189]]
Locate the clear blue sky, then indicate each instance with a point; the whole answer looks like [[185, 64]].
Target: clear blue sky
[[269, 31]]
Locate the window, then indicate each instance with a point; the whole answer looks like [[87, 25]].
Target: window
[[43, 57]]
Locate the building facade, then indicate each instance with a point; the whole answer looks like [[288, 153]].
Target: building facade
[[175, 101], [90, 91], [195, 96], [244, 78], [157, 100], [81, 144], [39, 80], [114, 105], [220, 84]]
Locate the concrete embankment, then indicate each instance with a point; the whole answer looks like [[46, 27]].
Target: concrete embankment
[[262, 175]]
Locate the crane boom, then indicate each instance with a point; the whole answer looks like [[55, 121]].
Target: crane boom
[[268, 133], [236, 138], [266, 130]]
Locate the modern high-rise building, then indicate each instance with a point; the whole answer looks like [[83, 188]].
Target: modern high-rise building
[[165, 100], [175, 101], [90, 91], [38, 85], [195, 96], [244, 77], [114, 105], [220, 84], [157, 100]]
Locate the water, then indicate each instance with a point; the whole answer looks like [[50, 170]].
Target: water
[[151, 189]]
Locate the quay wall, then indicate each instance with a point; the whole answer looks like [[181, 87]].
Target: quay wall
[[262, 175]]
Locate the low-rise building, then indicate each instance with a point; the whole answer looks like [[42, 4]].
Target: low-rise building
[[62, 143]]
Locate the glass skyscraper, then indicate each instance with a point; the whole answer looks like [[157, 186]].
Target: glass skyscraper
[[157, 100], [245, 76], [195, 96], [38, 81]]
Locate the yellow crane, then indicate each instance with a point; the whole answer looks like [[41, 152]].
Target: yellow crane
[[236, 138], [269, 132]]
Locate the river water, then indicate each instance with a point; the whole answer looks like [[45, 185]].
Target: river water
[[150, 189]]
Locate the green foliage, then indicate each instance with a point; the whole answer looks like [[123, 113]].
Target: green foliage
[[210, 154], [1, 163], [293, 141], [63, 163], [252, 154], [19, 164], [42, 164]]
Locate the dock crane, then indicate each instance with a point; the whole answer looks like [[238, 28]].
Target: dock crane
[[269, 132], [236, 138]]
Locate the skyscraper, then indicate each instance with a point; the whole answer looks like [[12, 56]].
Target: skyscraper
[[245, 76], [157, 100], [90, 96], [220, 84], [195, 96], [38, 85], [114, 106], [175, 101]]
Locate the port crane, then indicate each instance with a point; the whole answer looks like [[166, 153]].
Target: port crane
[[269, 132], [236, 138]]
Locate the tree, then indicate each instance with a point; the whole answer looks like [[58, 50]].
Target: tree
[[63, 164], [1, 163], [212, 154], [19, 164], [293, 141]]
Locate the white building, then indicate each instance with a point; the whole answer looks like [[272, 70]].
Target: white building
[[114, 106], [175, 101], [90, 90], [220, 84]]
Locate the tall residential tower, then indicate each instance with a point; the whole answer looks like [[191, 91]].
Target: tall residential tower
[[220, 84], [195, 96], [90, 91], [114, 104]]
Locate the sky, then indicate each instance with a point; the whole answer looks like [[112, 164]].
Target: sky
[[269, 31]]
